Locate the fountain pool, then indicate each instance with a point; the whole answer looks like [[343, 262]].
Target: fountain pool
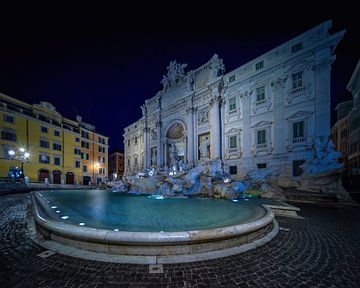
[[147, 225]]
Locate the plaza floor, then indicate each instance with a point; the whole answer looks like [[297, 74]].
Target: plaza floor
[[322, 250]]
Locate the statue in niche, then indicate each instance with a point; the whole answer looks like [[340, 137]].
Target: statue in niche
[[204, 148], [154, 158], [203, 116], [173, 153], [217, 66]]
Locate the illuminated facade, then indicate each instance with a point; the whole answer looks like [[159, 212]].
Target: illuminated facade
[[116, 165], [60, 149], [265, 113]]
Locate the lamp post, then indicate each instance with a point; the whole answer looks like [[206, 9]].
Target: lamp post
[[22, 156]]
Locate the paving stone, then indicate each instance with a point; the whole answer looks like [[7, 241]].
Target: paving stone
[[321, 251]]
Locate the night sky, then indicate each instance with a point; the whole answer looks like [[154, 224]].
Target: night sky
[[102, 61]]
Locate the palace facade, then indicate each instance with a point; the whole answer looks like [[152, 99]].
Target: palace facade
[[58, 149], [266, 113]]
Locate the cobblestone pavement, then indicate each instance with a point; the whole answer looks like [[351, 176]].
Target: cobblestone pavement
[[321, 251]]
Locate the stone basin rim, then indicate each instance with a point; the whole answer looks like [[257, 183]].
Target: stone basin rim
[[145, 238]]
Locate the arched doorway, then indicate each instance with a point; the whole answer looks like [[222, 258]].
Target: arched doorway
[[86, 180], [43, 174], [70, 178], [56, 177], [175, 144]]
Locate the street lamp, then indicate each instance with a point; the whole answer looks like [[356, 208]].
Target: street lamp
[[23, 157]]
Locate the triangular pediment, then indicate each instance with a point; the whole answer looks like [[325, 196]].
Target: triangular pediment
[[262, 124], [233, 131], [299, 114]]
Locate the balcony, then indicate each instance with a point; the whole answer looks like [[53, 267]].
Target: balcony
[[299, 140], [260, 102], [261, 146]]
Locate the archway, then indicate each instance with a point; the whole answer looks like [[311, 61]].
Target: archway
[[43, 174], [56, 177], [70, 179]]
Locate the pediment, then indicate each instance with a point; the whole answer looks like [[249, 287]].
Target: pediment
[[299, 114], [233, 131], [262, 124]]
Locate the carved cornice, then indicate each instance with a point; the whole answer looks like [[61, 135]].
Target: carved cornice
[[322, 64], [158, 124], [278, 82]]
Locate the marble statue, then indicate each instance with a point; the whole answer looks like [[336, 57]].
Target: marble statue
[[153, 158], [174, 75], [204, 148], [217, 65]]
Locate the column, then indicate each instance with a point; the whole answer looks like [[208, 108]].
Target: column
[[146, 147], [215, 127], [158, 144], [190, 136], [280, 124]]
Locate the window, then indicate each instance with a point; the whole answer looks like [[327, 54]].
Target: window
[[101, 170], [57, 133], [297, 47], [128, 162], [343, 133], [135, 140], [135, 126], [56, 160], [44, 159], [8, 135], [101, 149], [231, 78], [9, 119], [260, 94], [77, 151], [297, 171], [135, 161], [298, 129], [77, 139], [297, 80], [232, 142], [261, 165], [259, 65], [56, 146], [44, 144], [44, 129], [232, 104], [261, 136], [77, 163], [233, 170], [85, 144], [129, 143], [85, 156], [103, 159], [85, 134], [85, 168]]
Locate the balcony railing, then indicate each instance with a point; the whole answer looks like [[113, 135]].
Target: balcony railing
[[261, 146], [298, 90], [260, 102], [298, 140]]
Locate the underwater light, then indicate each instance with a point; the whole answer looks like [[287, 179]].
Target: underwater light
[[81, 224], [53, 207], [57, 211], [64, 217], [235, 200], [116, 230]]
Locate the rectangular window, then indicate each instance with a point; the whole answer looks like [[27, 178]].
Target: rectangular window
[[261, 165], [128, 162], [77, 164], [233, 142], [56, 146], [261, 137], [297, 80], [77, 139], [85, 156], [56, 160], [297, 47], [85, 134], [44, 144], [9, 119], [298, 129], [44, 129], [101, 170], [129, 143], [135, 140], [85, 168], [85, 144], [231, 78], [101, 149], [77, 151], [259, 65], [297, 171], [44, 159], [260, 94], [57, 133], [232, 104], [8, 135], [233, 170]]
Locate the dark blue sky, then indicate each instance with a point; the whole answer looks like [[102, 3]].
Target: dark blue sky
[[102, 61]]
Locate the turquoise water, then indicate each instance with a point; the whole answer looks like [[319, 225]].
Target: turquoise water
[[126, 212]]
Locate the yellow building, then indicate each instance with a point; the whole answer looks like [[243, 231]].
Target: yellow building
[[59, 149]]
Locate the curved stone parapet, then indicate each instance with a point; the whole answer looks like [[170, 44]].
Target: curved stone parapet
[[149, 243]]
